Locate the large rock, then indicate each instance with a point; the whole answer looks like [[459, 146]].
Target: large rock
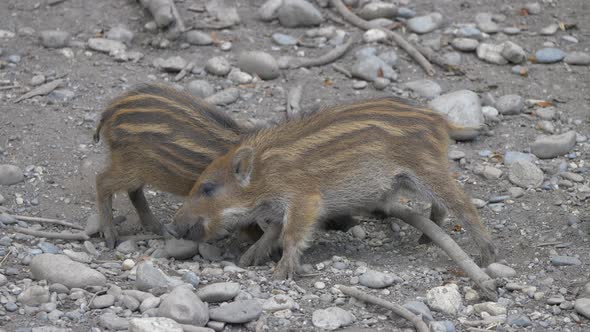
[[184, 307], [331, 318], [461, 107], [525, 174], [219, 292], [446, 299], [238, 312], [582, 307], [10, 174], [63, 270], [298, 13], [154, 324], [546, 147], [259, 63]]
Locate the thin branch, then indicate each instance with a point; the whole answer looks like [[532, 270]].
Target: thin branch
[[399, 40], [444, 241], [397, 309], [187, 69], [52, 235], [5, 257], [49, 221], [179, 22], [333, 55], [141, 237], [294, 102], [342, 70]]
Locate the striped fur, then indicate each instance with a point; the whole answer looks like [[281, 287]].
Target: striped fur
[[343, 159]]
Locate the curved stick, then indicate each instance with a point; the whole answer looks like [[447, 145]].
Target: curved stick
[[52, 235], [444, 241], [366, 25], [333, 55], [48, 221], [397, 309]]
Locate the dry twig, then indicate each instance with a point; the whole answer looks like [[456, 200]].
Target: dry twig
[[52, 235], [333, 55], [399, 40], [49, 221], [187, 69], [41, 90], [397, 309]]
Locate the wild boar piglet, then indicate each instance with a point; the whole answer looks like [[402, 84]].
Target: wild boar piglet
[[348, 159]]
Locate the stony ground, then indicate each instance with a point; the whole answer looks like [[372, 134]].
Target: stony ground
[[525, 74]]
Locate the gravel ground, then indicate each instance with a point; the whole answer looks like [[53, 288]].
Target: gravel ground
[[524, 75]]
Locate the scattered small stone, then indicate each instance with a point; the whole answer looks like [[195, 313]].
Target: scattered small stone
[[378, 9], [565, 261], [442, 326], [533, 8], [173, 64], [582, 306], [106, 45], [184, 307], [426, 23], [511, 31], [577, 58], [359, 232], [127, 247], [389, 57], [370, 68], [469, 32], [525, 174], [446, 299], [10, 174], [34, 295], [54, 38], [332, 318], [78, 256], [219, 292], [488, 172], [497, 270], [37, 80], [465, 44], [510, 104], [519, 320], [492, 308], [259, 63], [61, 269], [120, 33], [513, 53], [148, 276], [298, 13], [127, 264], [199, 38], [419, 308], [374, 36], [461, 107], [549, 30], [237, 312], [200, 88], [554, 300], [181, 249], [209, 252], [223, 97], [549, 55], [103, 301], [381, 83], [485, 23], [359, 85], [148, 303], [546, 147], [191, 278], [218, 66], [154, 324], [130, 302], [48, 248], [491, 53], [111, 321], [283, 39], [376, 279], [425, 88]]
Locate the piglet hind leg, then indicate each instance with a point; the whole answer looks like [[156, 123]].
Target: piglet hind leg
[[106, 185], [260, 251], [146, 217], [300, 220]]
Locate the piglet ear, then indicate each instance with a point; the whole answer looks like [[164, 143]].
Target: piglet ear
[[242, 165]]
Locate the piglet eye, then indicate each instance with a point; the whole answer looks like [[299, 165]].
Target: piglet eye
[[207, 189]]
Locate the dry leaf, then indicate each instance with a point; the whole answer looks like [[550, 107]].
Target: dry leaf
[[380, 72], [523, 12], [523, 72], [214, 38], [562, 26], [457, 272], [457, 228], [328, 82], [544, 103]]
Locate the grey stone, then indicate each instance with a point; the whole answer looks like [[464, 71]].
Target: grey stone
[[546, 147], [519, 320], [106, 45], [425, 88], [490, 113], [510, 104], [259, 63], [332, 318], [219, 292], [237, 312], [358, 231], [485, 23], [150, 302], [154, 324], [451, 58], [224, 97], [48, 248], [512, 156], [465, 44], [381, 83], [148, 277], [365, 52], [191, 278], [283, 39], [513, 53], [239, 77], [511, 31], [549, 30], [497, 270], [218, 66], [554, 300], [492, 308], [78, 256], [10, 174], [419, 308], [461, 107], [525, 174], [549, 55], [446, 299], [426, 23], [3, 280], [577, 58], [370, 68], [112, 322], [61, 269], [120, 33], [389, 57], [565, 261], [469, 32], [127, 247], [442, 326], [173, 64], [547, 113], [200, 88], [374, 36], [130, 302], [405, 12], [34, 295], [54, 38], [378, 9], [181, 249], [582, 306], [376, 279], [298, 13], [533, 8], [184, 307], [209, 252], [198, 38], [92, 225], [103, 301], [491, 53], [269, 10]]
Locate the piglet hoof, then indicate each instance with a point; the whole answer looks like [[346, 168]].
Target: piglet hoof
[[110, 237], [247, 258], [283, 271]]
